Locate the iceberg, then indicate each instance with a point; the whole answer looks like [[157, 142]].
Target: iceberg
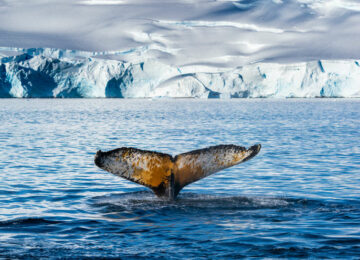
[[56, 73]]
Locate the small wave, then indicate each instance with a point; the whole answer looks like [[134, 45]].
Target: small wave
[[146, 200], [27, 222], [230, 202]]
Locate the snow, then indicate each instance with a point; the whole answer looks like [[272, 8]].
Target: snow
[[222, 34], [179, 48], [59, 73]]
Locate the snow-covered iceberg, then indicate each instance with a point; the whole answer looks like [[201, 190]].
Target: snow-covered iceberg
[[45, 73]]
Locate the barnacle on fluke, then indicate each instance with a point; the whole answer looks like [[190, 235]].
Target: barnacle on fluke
[[167, 175]]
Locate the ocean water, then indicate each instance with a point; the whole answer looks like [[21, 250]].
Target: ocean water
[[299, 197]]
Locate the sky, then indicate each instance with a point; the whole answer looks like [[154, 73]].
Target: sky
[[220, 33]]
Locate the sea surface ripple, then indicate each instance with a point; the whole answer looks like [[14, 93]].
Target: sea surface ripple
[[299, 198]]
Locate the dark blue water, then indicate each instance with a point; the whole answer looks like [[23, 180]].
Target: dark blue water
[[299, 197]]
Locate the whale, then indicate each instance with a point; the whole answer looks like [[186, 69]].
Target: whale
[[167, 175]]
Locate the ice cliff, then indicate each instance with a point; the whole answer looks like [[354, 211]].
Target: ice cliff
[[45, 73]]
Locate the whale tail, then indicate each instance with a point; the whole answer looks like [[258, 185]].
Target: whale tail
[[167, 175]]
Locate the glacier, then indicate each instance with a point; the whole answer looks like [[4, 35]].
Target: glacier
[[57, 73]]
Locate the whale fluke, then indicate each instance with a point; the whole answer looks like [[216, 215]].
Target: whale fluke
[[167, 175]]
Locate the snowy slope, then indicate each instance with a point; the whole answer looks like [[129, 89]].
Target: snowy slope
[[179, 48], [218, 33], [64, 73]]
